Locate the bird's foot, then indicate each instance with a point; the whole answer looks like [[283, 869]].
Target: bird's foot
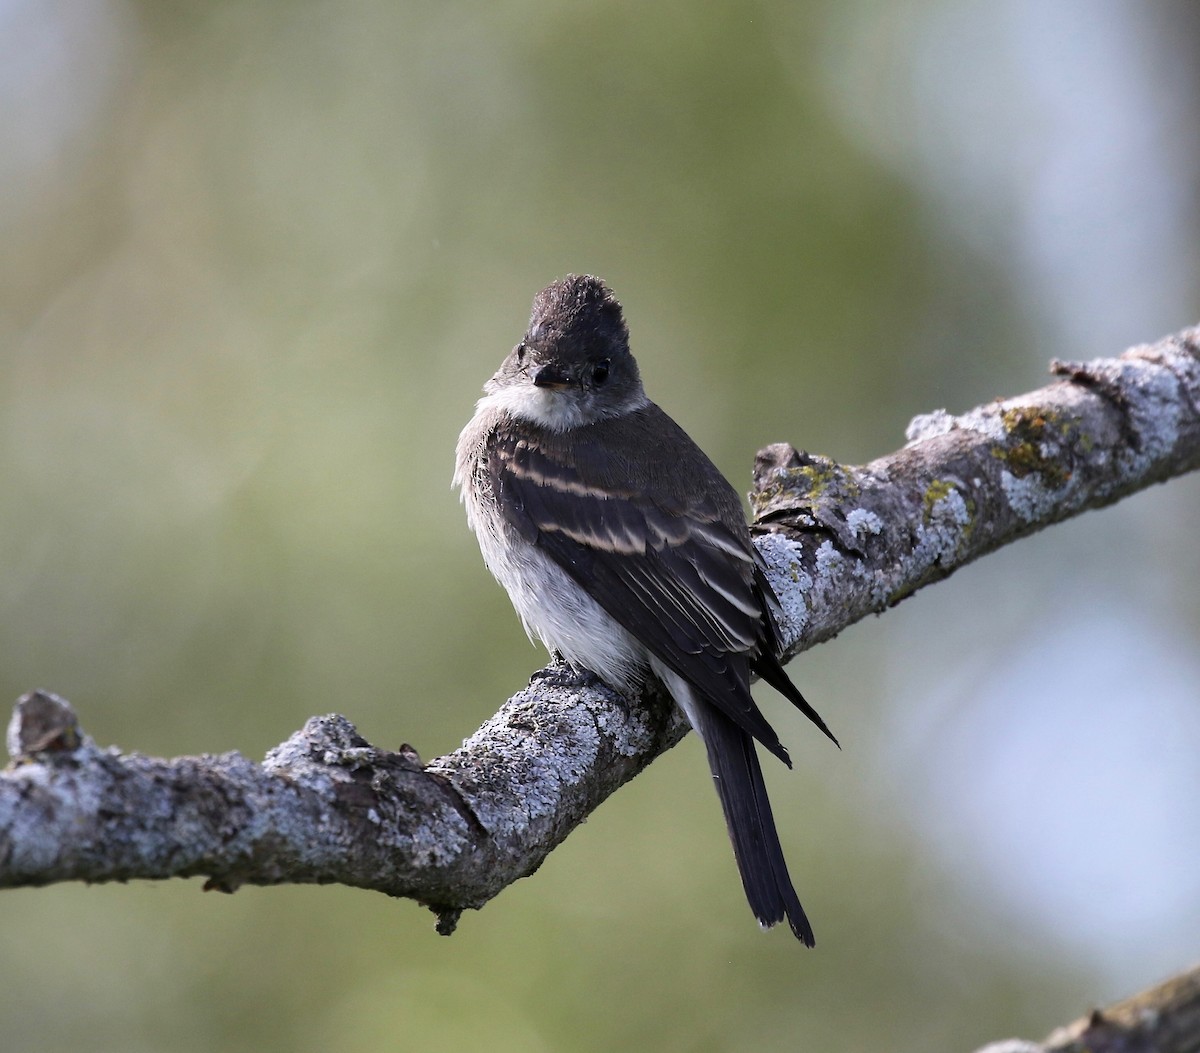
[[561, 673]]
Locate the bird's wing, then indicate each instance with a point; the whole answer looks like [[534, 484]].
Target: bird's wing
[[677, 577]]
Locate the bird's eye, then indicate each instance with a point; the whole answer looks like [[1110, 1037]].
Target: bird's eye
[[519, 350], [600, 371]]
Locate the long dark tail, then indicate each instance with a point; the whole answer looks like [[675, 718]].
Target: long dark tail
[[739, 781]]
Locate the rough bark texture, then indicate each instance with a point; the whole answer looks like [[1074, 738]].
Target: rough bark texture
[[842, 542], [854, 540], [1163, 1019], [326, 806]]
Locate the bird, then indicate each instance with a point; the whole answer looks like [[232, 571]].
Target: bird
[[626, 552]]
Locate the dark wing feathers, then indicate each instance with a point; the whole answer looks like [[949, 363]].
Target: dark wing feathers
[[766, 663], [676, 574], [666, 621]]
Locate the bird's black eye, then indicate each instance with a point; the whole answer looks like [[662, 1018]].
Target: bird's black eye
[[600, 371], [519, 351]]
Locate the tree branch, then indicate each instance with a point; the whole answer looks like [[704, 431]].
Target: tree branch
[[841, 542], [1163, 1019], [856, 540]]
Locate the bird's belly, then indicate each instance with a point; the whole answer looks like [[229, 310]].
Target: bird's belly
[[557, 611]]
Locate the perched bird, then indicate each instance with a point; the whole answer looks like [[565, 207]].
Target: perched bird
[[625, 551]]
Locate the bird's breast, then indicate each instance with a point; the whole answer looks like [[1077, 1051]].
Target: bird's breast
[[553, 607]]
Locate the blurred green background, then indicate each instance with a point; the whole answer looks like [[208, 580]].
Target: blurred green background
[[256, 261]]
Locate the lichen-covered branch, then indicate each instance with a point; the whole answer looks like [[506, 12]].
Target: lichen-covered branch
[[1162, 1019], [851, 540], [841, 542], [325, 806]]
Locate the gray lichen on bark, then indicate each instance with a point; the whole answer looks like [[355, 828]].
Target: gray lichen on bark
[[846, 541]]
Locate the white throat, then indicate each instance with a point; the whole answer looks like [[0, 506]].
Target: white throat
[[556, 411]]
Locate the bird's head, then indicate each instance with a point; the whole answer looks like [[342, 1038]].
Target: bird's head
[[573, 366]]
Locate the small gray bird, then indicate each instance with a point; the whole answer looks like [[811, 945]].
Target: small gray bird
[[624, 550]]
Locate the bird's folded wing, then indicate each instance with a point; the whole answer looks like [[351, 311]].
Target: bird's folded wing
[[679, 581]]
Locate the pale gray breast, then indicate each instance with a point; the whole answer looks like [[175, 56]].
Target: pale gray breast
[[551, 605]]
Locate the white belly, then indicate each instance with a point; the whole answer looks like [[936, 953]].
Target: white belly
[[551, 604], [557, 611]]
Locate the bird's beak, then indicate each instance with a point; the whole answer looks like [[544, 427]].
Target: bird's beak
[[551, 376]]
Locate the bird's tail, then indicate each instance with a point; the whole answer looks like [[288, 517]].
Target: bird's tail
[[739, 781]]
